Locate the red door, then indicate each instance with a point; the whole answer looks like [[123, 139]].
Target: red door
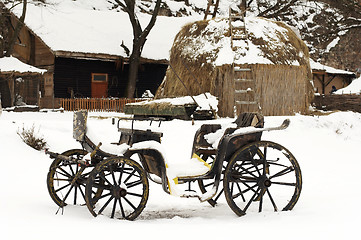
[[99, 85]]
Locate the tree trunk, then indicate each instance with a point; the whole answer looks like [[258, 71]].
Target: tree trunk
[[133, 73], [139, 39]]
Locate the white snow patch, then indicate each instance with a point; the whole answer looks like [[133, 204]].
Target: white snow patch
[[12, 64]]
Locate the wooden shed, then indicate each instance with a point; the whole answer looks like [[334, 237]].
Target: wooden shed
[[19, 82], [325, 77], [251, 64]]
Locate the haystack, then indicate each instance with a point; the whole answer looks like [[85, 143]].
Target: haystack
[[203, 57]]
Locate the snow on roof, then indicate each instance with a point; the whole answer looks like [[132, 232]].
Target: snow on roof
[[90, 27], [353, 88], [319, 66], [11, 64]]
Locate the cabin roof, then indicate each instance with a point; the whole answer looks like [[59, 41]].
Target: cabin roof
[[11, 64], [68, 28], [318, 67]]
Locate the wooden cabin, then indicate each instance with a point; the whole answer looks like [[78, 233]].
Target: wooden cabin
[[85, 59], [83, 75]]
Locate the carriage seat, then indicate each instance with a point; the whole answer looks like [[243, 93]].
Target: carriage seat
[[203, 143]]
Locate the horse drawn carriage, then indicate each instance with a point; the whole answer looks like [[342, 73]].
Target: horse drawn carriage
[[232, 161]]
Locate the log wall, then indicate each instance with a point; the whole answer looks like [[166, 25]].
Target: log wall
[[338, 102]]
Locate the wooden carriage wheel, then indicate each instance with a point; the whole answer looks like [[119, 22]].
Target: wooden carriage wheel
[[62, 189], [124, 187], [270, 181]]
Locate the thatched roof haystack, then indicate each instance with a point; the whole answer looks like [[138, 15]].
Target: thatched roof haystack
[[203, 58]]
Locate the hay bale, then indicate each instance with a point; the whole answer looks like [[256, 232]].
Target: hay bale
[[202, 51]]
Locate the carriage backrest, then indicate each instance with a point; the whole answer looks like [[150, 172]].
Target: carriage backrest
[[79, 125], [243, 120]]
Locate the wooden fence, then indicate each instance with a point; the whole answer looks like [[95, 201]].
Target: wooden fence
[[96, 104]]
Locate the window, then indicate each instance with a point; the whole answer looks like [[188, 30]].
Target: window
[[99, 77]]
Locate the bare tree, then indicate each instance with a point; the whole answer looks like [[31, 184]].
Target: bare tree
[[7, 42], [139, 39]]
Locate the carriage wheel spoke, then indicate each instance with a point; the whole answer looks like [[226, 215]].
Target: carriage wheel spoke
[[135, 194], [219, 194], [59, 189], [121, 174], [67, 194], [106, 204], [133, 184], [114, 207], [105, 179], [71, 169], [285, 184], [240, 190], [130, 175], [112, 173], [254, 163], [209, 184], [264, 161], [75, 194], [81, 191], [100, 197], [62, 179], [261, 194], [65, 172], [250, 173], [121, 207], [272, 201], [131, 204], [249, 187], [283, 172], [250, 201]]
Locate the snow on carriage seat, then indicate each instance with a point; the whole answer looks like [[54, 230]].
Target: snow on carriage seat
[[189, 167], [107, 134], [214, 138]]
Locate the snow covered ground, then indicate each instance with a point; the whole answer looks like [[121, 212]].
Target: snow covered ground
[[325, 147]]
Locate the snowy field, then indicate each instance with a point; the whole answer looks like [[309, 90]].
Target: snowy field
[[325, 147]]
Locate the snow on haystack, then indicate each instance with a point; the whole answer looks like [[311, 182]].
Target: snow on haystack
[[269, 42], [11, 64]]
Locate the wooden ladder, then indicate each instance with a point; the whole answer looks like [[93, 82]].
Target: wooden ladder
[[212, 8], [245, 96]]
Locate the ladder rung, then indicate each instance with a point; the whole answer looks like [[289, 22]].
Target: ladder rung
[[243, 91], [235, 17], [239, 38], [238, 69], [246, 102], [243, 80]]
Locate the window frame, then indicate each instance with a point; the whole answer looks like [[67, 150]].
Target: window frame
[[100, 74]]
